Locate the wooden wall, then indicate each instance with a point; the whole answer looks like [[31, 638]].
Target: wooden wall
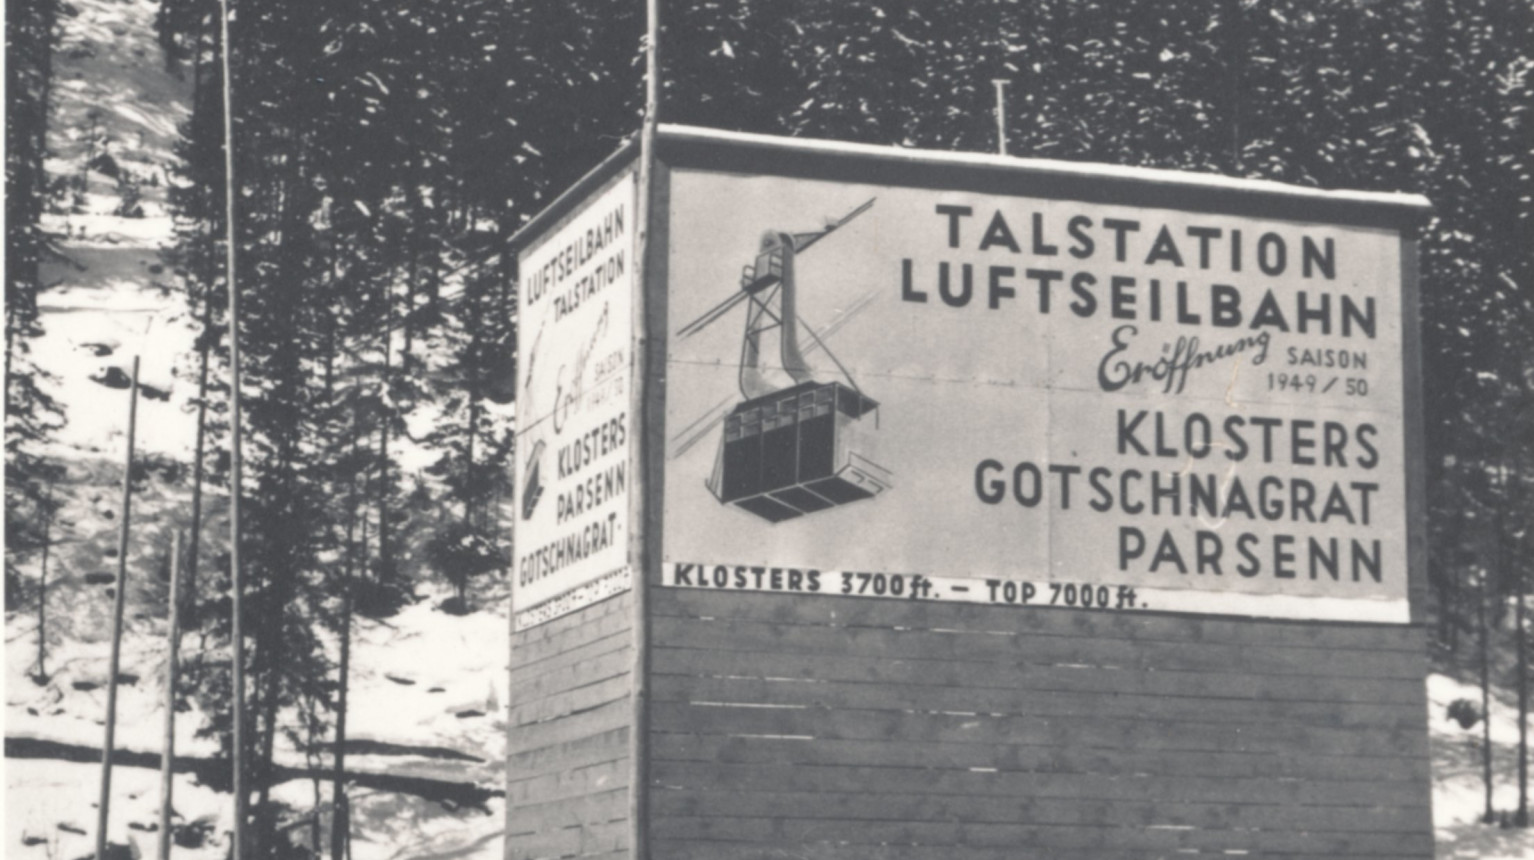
[[842, 728], [568, 739]]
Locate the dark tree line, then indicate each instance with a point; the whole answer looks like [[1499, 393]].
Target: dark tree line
[[31, 414]]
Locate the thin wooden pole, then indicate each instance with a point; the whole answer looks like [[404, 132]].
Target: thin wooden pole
[[42, 590], [639, 732], [236, 587], [168, 750], [103, 806], [237, 636], [1490, 814], [1514, 565]]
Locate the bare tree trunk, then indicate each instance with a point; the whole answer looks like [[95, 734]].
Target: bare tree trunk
[[340, 827], [195, 533]]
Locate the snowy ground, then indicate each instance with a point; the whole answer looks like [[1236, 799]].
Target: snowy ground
[[108, 298], [428, 690], [1459, 795]]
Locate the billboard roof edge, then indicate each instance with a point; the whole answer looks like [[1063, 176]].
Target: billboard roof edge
[[571, 197], [693, 146]]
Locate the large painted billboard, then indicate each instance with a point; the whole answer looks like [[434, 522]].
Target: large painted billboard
[[923, 394], [575, 363]]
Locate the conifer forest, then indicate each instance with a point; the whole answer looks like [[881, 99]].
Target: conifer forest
[[385, 152]]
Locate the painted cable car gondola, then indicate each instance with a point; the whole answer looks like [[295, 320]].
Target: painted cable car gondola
[[791, 450]]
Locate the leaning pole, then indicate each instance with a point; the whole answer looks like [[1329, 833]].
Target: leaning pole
[[104, 805]]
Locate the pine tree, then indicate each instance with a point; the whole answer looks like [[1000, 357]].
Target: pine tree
[[31, 413]]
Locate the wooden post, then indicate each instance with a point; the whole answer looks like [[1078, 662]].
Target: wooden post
[[1521, 817], [104, 804], [237, 634], [42, 591], [1514, 565], [168, 753], [1490, 814]]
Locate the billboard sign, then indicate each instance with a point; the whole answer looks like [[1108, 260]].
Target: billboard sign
[[575, 362], [923, 394]]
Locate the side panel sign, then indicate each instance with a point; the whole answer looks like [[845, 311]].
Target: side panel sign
[[575, 362]]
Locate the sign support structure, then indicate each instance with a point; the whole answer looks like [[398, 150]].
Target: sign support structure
[[943, 475]]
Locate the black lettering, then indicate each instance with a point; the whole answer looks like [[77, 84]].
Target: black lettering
[[1164, 248], [1086, 303], [1120, 227], [999, 291], [908, 293], [1204, 234], [998, 233], [1039, 246], [1045, 277], [1326, 260], [1272, 254], [1084, 246], [954, 213], [967, 277], [1131, 546]]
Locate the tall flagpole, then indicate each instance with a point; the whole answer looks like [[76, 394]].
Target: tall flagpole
[[237, 635], [639, 733], [1001, 114]]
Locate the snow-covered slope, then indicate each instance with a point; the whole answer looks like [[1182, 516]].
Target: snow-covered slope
[[108, 298]]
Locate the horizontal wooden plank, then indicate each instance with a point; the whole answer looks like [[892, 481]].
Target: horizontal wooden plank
[[596, 840], [784, 832], [568, 785], [1032, 700], [603, 718], [1137, 813], [704, 849], [666, 660], [604, 657], [576, 675], [575, 701], [1026, 648], [1299, 764], [1169, 735], [603, 807], [1135, 626], [562, 634], [708, 777], [606, 746]]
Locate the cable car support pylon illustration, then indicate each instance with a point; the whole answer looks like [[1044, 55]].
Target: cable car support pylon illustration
[[789, 450]]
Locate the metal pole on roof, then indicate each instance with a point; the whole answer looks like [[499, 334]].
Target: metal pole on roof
[[642, 550], [1001, 114], [236, 587]]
